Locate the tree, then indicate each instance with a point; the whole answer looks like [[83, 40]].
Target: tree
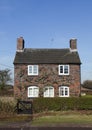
[[87, 84], [5, 78]]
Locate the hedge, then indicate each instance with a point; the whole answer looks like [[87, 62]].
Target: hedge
[[7, 106], [59, 104]]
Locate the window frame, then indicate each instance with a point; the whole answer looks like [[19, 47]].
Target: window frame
[[33, 95], [48, 91], [64, 95], [63, 69], [32, 70]]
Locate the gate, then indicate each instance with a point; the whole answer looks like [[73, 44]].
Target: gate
[[24, 107]]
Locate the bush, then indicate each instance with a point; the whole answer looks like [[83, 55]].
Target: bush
[[7, 105], [59, 104], [6, 92]]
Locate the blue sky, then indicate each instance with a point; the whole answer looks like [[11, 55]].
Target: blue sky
[[46, 24]]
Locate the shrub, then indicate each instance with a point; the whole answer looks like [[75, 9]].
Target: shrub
[[6, 92], [7, 105], [59, 104]]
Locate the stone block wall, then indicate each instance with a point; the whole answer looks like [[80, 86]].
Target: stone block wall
[[48, 76]]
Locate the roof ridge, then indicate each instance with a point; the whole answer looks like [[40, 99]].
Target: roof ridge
[[46, 49]]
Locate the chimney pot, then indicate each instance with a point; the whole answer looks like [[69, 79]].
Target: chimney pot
[[73, 44], [20, 44]]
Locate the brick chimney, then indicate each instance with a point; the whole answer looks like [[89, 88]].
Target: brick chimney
[[73, 44], [20, 44]]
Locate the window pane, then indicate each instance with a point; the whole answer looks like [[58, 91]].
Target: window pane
[[66, 69], [50, 92], [66, 91], [35, 92], [61, 91], [35, 69], [30, 91], [30, 69], [61, 69], [46, 92]]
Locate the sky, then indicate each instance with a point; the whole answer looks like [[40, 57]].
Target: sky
[[46, 24]]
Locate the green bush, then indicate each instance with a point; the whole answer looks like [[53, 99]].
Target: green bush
[[7, 105], [59, 104]]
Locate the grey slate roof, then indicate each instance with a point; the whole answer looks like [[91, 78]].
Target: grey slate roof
[[47, 56]]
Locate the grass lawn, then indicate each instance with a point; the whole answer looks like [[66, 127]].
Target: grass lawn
[[60, 118]]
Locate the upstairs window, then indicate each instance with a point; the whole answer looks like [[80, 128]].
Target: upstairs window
[[63, 69], [32, 69]]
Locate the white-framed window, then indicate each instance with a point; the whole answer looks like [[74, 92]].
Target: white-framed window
[[49, 91], [33, 91], [32, 69], [63, 91], [63, 69]]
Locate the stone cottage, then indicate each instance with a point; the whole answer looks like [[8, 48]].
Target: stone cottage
[[46, 72]]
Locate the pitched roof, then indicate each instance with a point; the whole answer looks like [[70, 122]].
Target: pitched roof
[[48, 56]]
